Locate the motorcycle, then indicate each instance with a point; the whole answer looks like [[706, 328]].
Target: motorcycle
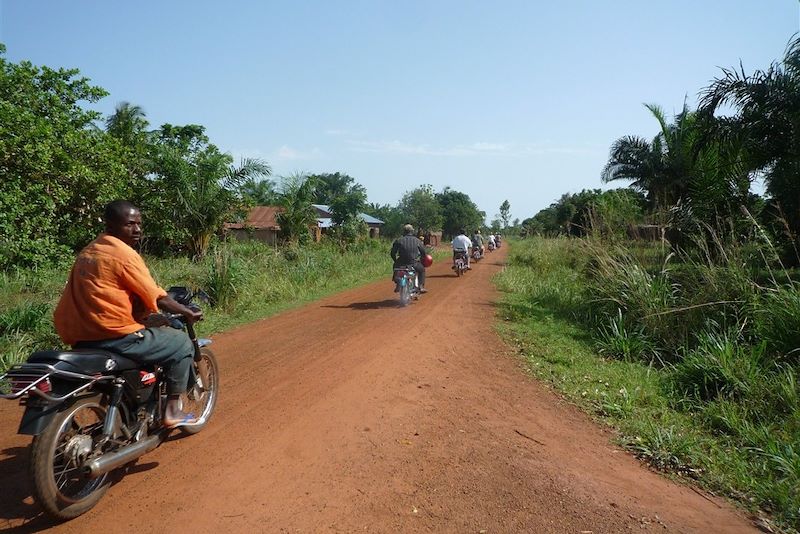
[[92, 411], [477, 253], [460, 263], [406, 283], [491, 246]]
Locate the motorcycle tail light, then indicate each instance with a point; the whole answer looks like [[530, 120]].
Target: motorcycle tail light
[[45, 386], [19, 383]]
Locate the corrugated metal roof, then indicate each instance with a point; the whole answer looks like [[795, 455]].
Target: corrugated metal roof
[[324, 211]]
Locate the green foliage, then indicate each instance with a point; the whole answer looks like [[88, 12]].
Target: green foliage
[[607, 212], [55, 166], [777, 321], [259, 192], [505, 213], [298, 215], [26, 317], [346, 200], [224, 277], [421, 209], [392, 217], [766, 123], [458, 211], [720, 366], [688, 379], [197, 187]]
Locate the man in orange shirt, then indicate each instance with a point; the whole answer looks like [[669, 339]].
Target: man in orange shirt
[[108, 282]]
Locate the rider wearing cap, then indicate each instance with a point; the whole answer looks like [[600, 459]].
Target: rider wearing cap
[[408, 250]]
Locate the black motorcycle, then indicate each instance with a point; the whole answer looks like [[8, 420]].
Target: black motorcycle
[[92, 411]]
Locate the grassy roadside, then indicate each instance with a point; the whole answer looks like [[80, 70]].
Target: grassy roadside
[[546, 313], [248, 281]]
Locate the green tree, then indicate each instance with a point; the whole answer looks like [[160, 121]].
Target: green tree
[[505, 213], [458, 211], [421, 209], [56, 168], [331, 186], [392, 217]]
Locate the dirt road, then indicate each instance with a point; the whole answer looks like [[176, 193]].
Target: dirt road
[[352, 414]]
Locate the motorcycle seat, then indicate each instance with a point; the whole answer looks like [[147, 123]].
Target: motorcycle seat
[[87, 361]]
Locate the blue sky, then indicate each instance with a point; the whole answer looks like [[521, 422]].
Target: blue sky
[[516, 100]]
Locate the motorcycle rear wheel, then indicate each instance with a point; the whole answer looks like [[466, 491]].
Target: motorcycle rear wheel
[[57, 455], [405, 294], [202, 398]]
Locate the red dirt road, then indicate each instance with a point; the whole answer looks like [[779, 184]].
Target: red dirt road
[[352, 414]]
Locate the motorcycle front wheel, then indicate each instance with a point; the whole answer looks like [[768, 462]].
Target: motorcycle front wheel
[[57, 455], [201, 399]]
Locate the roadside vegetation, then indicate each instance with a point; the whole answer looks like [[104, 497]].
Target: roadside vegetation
[[687, 359], [671, 308]]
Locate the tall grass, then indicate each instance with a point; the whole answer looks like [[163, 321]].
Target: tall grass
[[695, 357]]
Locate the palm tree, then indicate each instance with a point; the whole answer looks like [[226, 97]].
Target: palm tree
[[661, 168], [260, 192], [298, 215], [766, 123], [127, 123], [208, 195]]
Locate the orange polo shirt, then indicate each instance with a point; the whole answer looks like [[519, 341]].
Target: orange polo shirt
[[98, 302]]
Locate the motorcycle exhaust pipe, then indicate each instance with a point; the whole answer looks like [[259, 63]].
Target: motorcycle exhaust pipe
[[110, 461]]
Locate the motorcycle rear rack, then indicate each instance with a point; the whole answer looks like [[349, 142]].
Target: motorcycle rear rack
[[39, 372]]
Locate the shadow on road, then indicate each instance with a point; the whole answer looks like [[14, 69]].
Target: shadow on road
[[17, 506], [17, 503], [388, 303]]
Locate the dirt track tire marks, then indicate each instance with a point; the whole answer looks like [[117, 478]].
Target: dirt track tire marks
[[353, 413]]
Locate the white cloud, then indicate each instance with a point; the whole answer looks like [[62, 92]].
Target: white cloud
[[477, 148], [285, 152]]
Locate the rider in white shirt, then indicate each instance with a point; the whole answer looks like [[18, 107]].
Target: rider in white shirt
[[491, 240], [462, 245]]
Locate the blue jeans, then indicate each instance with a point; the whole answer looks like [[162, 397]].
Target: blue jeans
[[165, 346]]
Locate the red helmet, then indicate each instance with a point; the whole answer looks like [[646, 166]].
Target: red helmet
[[427, 260]]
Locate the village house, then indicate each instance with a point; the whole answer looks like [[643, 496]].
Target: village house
[[262, 225]]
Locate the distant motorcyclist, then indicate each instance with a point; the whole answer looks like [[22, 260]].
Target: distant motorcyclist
[[409, 250], [477, 241], [492, 243], [462, 246]]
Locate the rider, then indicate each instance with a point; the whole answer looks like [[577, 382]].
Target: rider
[[462, 245], [108, 281], [477, 240], [407, 250], [492, 243]]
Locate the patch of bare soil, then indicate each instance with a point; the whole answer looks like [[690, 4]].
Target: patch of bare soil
[[353, 414]]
